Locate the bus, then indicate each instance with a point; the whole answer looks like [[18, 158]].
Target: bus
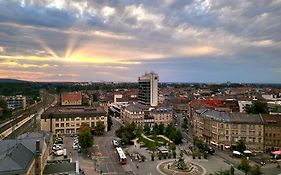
[[122, 157]]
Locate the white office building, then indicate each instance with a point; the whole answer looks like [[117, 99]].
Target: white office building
[[148, 89]]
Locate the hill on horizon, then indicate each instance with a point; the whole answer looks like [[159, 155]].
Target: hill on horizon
[[9, 80]]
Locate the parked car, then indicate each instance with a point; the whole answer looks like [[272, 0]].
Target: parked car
[[59, 140], [211, 150], [59, 152], [56, 147], [76, 146]]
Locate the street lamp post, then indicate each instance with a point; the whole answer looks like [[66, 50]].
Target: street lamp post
[[95, 162]]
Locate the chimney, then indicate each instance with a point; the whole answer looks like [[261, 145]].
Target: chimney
[[38, 147]]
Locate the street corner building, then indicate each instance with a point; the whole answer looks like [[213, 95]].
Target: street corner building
[[67, 120]]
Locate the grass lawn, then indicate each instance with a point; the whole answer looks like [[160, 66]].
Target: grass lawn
[[146, 142], [159, 139]]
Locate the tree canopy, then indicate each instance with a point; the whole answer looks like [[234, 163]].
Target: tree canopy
[[245, 166], [240, 146], [257, 107], [99, 128], [85, 136]]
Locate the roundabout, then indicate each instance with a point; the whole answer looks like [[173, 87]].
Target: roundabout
[[170, 167]]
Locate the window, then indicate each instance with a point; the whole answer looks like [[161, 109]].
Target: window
[[62, 119], [57, 119], [67, 124], [62, 125], [57, 125]]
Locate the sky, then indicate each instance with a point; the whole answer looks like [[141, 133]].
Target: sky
[[119, 40]]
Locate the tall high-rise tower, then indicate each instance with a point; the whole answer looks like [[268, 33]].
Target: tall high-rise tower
[[148, 89]]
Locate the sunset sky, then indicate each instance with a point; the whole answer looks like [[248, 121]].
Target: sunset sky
[[119, 40]]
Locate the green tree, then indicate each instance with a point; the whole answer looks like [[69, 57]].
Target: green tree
[[240, 146], [257, 107], [99, 128], [155, 129], [139, 131], [127, 133], [244, 166], [223, 172], [146, 129], [3, 104], [109, 122], [256, 170], [232, 170], [152, 147], [161, 128], [184, 125], [85, 137]]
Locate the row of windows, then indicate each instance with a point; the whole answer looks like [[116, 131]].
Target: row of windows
[[79, 118], [74, 124], [272, 134]]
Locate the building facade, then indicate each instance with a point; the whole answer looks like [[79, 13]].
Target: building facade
[[67, 120], [71, 99], [134, 113], [141, 115], [16, 102], [225, 129], [148, 89], [272, 132], [162, 115]]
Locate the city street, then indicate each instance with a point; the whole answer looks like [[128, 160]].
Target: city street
[[108, 162]]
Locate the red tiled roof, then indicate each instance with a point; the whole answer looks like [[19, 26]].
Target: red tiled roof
[[214, 103], [207, 103], [71, 97]]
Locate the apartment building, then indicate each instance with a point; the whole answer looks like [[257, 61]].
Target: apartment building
[[15, 102], [272, 132], [134, 113], [67, 120], [162, 115], [71, 99], [140, 114], [225, 129]]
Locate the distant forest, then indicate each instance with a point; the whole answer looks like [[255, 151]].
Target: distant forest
[[10, 87]]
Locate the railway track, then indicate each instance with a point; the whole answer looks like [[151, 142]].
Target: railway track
[[25, 114]]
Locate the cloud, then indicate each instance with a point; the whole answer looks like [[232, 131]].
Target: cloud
[[32, 14], [199, 51], [129, 37], [2, 50], [15, 64], [24, 75]]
